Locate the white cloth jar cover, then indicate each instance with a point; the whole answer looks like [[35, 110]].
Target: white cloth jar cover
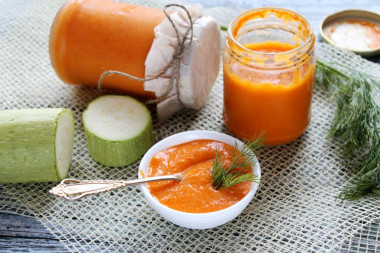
[[199, 65]]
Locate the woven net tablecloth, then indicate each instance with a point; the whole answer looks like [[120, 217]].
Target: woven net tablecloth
[[295, 209]]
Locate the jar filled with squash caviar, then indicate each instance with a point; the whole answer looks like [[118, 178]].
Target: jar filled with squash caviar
[[268, 70]]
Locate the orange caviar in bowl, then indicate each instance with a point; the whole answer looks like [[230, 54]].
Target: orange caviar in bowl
[[193, 202]]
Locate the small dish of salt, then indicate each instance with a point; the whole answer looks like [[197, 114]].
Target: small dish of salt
[[354, 30]]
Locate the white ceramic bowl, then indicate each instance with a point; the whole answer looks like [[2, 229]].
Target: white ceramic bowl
[[196, 220]]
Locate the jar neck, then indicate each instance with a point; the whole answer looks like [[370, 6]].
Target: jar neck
[[289, 33]]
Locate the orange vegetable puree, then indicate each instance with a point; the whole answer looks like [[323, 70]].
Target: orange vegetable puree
[[194, 194], [277, 103], [89, 37]]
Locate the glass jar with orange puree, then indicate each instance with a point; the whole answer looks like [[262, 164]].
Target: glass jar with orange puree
[[268, 69]]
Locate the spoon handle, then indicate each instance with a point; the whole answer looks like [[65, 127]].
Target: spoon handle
[[74, 189]]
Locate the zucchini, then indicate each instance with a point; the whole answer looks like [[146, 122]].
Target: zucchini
[[35, 145], [119, 130]]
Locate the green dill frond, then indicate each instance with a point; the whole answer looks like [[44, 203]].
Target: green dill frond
[[356, 124], [240, 168]]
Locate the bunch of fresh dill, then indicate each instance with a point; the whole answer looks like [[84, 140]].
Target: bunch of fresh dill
[[240, 168], [356, 124]]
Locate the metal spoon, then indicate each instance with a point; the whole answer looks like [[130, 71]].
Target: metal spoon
[[74, 189]]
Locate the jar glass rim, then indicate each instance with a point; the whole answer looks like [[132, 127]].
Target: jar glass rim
[[310, 38]]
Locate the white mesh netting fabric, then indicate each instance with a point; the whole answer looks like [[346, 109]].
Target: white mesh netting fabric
[[295, 209]]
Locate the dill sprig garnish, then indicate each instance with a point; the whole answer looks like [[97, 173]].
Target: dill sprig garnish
[[240, 168], [356, 124]]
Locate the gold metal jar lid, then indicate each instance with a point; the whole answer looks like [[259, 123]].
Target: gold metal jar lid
[[354, 30]]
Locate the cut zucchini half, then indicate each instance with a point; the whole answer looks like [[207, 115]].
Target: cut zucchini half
[[36, 145]]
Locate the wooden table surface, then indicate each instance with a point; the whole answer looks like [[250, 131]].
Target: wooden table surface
[[25, 234]]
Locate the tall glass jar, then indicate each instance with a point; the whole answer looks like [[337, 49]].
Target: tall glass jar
[[268, 69]]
